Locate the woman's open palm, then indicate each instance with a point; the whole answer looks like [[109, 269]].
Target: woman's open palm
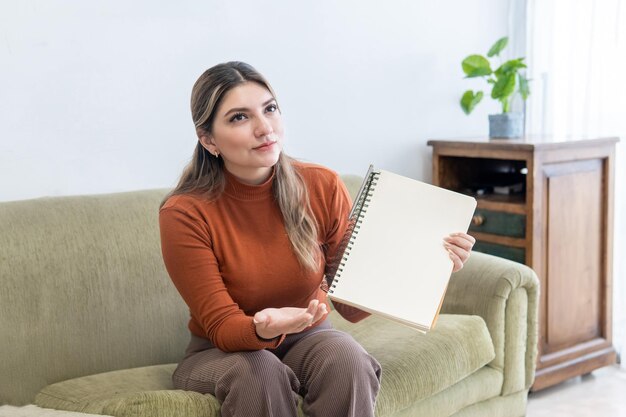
[[273, 322]]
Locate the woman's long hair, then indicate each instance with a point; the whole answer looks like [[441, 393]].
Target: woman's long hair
[[204, 175]]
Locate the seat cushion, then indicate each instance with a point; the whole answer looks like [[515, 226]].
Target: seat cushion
[[415, 366], [136, 392]]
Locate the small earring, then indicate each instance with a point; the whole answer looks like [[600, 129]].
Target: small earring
[[216, 154]]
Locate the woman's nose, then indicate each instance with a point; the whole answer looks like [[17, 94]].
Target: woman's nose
[[263, 127]]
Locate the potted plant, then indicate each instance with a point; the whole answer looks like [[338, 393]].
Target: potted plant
[[506, 81]]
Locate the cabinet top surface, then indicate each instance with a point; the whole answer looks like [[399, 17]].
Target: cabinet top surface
[[525, 143]]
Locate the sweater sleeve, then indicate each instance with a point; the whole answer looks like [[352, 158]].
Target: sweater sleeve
[[341, 204], [194, 270]]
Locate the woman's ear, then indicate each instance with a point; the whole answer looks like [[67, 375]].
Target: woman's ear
[[207, 142]]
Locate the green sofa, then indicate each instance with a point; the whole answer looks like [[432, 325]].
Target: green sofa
[[90, 321]]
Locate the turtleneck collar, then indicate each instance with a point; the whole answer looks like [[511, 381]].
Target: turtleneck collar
[[242, 191]]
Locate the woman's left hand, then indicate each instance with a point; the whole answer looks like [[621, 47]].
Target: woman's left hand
[[459, 246]]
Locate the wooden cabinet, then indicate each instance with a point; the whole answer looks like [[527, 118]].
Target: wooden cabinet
[[546, 202]]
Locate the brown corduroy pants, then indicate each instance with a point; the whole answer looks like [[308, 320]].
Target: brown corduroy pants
[[333, 373]]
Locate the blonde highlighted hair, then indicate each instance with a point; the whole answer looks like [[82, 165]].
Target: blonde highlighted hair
[[204, 175]]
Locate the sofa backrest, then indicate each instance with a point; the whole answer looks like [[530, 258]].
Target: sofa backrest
[[83, 290]]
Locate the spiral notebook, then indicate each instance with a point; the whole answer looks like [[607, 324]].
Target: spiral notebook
[[392, 261]]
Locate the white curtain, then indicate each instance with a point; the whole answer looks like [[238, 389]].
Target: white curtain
[[577, 61]]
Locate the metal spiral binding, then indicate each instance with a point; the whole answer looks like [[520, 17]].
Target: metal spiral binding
[[357, 215]]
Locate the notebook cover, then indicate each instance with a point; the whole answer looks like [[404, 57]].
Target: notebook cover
[[397, 265]]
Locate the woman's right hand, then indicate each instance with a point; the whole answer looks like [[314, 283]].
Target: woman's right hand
[[273, 322]]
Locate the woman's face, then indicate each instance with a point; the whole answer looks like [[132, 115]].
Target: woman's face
[[247, 132]]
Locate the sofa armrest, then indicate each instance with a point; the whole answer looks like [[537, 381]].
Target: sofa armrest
[[505, 294]]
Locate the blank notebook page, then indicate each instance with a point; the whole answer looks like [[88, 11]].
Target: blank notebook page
[[398, 265]]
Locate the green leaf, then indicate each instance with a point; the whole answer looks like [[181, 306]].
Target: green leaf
[[470, 100], [524, 90], [476, 66], [504, 87], [498, 47], [510, 66]]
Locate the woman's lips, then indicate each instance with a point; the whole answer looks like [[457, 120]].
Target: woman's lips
[[265, 147]]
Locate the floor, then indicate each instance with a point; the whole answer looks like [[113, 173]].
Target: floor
[[601, 393]]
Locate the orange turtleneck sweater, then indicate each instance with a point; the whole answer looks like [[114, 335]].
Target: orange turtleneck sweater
[[231, 257]]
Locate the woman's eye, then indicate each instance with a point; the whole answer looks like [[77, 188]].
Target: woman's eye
[[237, 117], [272, 108]]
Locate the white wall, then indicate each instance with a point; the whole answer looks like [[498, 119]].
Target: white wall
[[94, 96]]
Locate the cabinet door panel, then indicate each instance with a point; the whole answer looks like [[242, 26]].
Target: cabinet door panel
[[574, 262]]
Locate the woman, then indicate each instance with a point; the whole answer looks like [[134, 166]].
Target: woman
[[246, 236]]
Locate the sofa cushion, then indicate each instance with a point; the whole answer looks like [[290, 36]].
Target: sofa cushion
[[415, 366], [145, 391]]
